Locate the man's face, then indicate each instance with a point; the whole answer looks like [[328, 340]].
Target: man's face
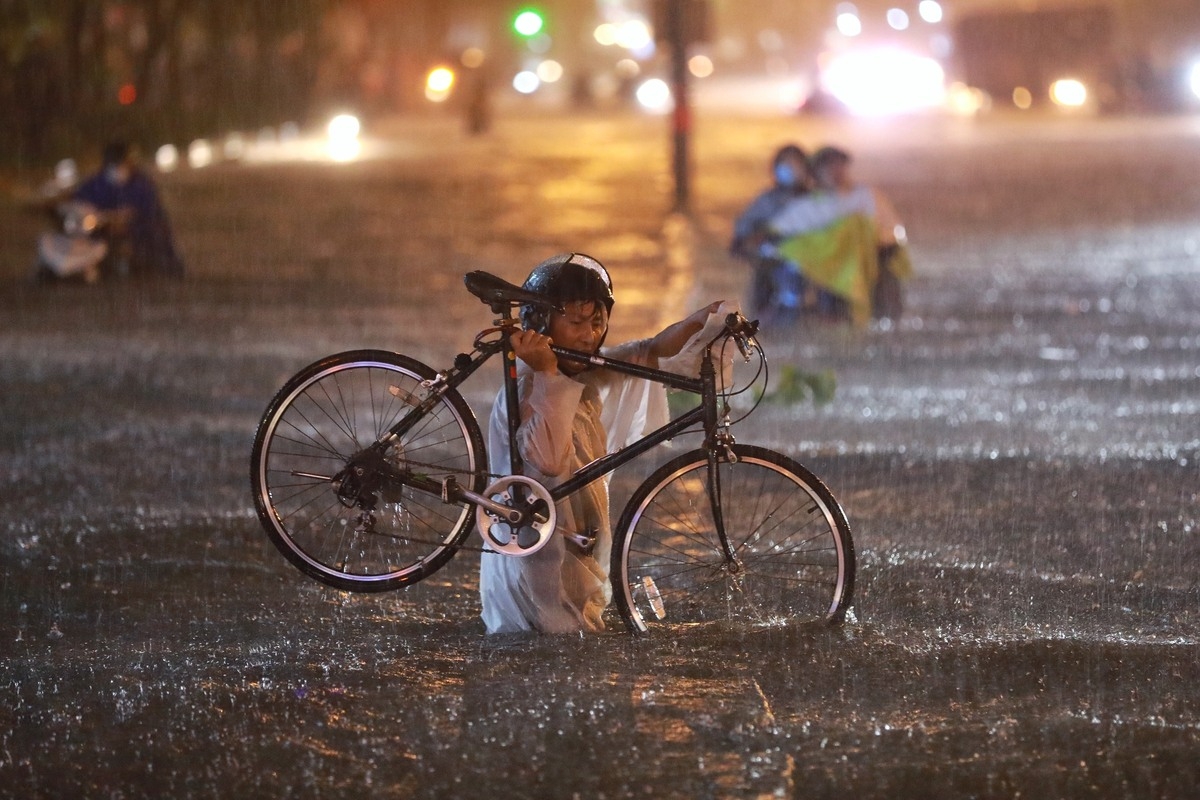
[[581, 326]]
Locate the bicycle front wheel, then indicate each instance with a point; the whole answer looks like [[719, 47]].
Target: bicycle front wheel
[[789, 557], [384, 533]]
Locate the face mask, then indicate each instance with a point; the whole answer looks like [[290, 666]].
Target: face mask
[[785, 175]]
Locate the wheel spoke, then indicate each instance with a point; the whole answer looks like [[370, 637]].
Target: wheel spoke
[[793, 556], [367, 530]]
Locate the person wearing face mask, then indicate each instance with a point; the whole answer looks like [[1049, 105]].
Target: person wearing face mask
[[139, 228], [850, 240], [776, 287]]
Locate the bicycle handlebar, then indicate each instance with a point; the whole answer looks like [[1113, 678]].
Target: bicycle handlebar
[[741, 330]]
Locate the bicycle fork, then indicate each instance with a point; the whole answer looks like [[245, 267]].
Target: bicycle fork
[[719, 446]]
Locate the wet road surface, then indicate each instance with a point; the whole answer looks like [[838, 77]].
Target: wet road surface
[[1018, 460]]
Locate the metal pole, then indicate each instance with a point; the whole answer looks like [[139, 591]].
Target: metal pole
[[681, 118]]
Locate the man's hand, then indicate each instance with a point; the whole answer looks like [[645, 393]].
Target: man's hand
[[534, 349], [671, 339]]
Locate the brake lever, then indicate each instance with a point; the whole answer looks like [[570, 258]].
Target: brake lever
[[741, 329], [742, 345]]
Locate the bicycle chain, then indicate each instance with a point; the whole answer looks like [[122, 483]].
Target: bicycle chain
[[432, 543]]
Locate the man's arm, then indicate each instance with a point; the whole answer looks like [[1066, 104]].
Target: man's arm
[[670, 340]]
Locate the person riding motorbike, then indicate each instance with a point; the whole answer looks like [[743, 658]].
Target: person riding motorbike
[[76, 247], [139, 230], [776, 287]]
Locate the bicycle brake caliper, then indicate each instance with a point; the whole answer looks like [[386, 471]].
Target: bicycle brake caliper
[[724, 440]]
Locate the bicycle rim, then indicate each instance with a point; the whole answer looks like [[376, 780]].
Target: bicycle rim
[[333, 410], [793, 554]]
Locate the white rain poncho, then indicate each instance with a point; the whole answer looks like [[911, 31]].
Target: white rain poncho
[[568, 422]]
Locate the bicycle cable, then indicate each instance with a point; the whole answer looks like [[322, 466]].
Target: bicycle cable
[[762, 371]]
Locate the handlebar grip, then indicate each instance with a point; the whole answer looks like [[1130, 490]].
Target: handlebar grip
[[741, 330]]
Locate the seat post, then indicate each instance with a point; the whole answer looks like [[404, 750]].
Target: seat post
[[512, 401]]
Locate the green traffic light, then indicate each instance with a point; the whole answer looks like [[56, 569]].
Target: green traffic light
[[528, 23]]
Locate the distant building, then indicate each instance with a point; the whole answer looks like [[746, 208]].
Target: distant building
[[1128, 54]]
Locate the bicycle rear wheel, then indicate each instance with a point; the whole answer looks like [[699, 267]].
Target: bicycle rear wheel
[[793, 557], [384, 534]]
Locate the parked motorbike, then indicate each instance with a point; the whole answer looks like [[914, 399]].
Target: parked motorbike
[[84, 245]]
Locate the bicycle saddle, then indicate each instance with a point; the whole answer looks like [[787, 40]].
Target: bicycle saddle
[[498, 292]]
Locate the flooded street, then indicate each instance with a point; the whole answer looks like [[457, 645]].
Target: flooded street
[[1018, 459]]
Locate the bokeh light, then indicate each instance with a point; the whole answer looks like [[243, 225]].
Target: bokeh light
[[343, 132], [848, 23], [635, 35], [549, 71], [66, 173], [885, 81], [234, 147], [528, 23], [700, 65], [965, 100], [200, 154], [655, 95], [472, 58], [166, 158], [438, 84], [605, 34], [526, 82], [1069, 92]]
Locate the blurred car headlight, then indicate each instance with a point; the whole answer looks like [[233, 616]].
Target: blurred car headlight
[[885, 81], [343, 132], [1069, 93], [1193, 80]]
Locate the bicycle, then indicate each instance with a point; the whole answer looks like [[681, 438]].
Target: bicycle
[[368, 471]]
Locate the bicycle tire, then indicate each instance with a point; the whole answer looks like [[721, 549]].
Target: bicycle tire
[[322, 416], [791, 539]]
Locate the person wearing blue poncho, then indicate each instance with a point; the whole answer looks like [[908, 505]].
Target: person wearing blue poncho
[[849, 239], [141, 231], [777, 287]]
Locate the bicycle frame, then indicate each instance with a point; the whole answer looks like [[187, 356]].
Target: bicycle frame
[[370, 470], [465, 365]]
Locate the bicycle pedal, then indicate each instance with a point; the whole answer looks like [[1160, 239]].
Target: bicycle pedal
[[585, 541]]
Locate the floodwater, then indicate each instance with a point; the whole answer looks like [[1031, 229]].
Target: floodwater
[[1018, 460]]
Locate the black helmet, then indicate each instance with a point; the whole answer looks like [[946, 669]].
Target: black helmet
[[566, 278]]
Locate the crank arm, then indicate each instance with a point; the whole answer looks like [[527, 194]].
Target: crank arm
[[453, 493], [581, 539]]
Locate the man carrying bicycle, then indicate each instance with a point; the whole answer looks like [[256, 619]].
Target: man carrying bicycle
[[570, 415]]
